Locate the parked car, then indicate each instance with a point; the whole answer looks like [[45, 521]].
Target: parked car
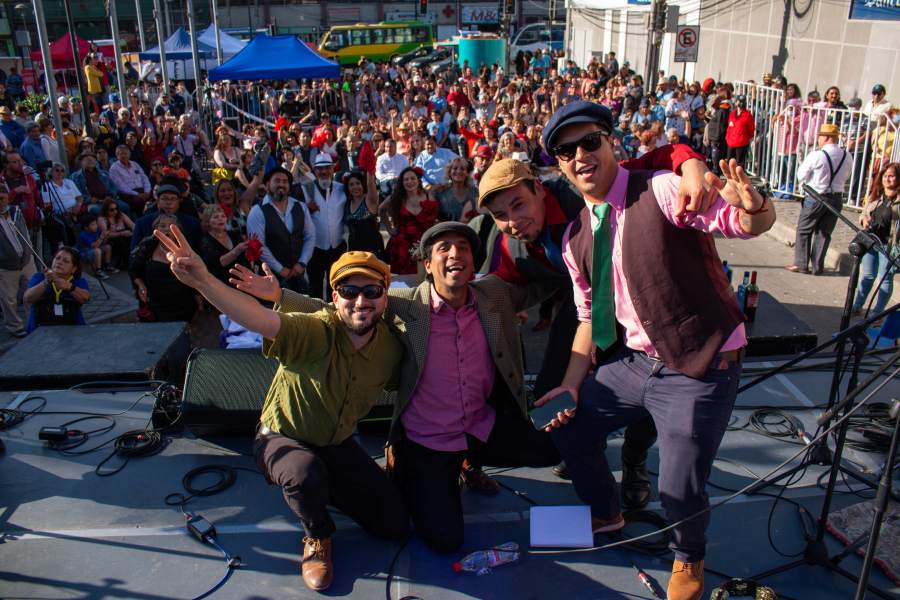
[[421, 52], [438, 55]]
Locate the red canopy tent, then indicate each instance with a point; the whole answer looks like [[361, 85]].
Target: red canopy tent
[[61, 52]]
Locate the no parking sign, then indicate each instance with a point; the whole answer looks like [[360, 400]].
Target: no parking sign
[[687, 42]]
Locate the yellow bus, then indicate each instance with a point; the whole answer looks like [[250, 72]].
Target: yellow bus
[[376, 41]]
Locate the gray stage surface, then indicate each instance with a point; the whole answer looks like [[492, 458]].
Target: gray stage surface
[[67, 533]]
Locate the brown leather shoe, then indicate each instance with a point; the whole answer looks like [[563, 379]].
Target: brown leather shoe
[[686, 582], [615, 523], [477, 480], [316, 566]]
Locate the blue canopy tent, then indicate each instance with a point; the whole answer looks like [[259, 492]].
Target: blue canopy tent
[[179, 63], [275, 57], [230, 44], [178, 47]]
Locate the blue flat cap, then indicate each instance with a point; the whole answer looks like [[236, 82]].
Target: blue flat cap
[[580, 111]]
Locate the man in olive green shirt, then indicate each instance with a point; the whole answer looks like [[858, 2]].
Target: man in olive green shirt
[[333, 366]]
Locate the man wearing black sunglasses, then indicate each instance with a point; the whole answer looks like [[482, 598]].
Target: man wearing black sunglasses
[[526, 244], [651, 293], [333, 365]]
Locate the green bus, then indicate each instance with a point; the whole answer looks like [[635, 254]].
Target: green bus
[[376, 41]]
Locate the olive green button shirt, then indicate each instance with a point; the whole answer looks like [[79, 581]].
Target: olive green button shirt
[[323, 385]]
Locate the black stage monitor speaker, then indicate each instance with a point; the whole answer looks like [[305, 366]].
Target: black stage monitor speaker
[[224, 391]]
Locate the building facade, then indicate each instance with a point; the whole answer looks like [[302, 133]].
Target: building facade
[[813, 44]]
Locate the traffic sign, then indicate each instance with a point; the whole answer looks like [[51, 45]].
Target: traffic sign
[[687, 43]]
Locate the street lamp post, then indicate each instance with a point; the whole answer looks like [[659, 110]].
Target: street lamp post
[[76, 58], [160, 37], [215, 20], [48, 66], [195, 56], [114, 23], [140, 25]]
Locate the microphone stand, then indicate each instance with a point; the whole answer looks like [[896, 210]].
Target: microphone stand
[[816, 551], [820, 453]]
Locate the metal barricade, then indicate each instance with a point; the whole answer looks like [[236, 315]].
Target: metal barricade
[[787, 132], [762, 103]]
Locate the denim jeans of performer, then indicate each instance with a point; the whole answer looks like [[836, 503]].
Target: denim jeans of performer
[[872, 269], [691, 416]]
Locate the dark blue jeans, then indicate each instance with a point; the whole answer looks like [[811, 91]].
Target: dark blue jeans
[[691, 416]]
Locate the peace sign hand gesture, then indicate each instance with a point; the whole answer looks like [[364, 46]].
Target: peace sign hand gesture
[[736, 189], [186, 265]]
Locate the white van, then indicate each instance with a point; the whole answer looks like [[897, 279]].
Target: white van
[[537, 35]]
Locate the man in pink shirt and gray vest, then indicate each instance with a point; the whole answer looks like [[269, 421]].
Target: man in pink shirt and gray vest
[[652, 283]]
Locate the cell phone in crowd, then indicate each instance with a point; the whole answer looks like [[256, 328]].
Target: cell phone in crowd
[[543, 415]]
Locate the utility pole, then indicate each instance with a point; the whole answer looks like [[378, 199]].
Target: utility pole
[[76, 58], [50, 82], [140, 25], [654, 41]]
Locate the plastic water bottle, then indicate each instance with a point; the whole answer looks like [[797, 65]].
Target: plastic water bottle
[[742, 292], [483, 561], [728, 272]]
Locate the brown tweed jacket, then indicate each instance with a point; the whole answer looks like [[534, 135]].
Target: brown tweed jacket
[[408, 315]]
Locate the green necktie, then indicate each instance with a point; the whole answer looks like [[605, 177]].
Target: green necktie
[[603, 313]]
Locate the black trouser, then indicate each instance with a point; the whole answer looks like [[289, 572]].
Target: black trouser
[[429, 478], [640, 435], [816, 219], [312, 477], [318, 268], [739, 154]]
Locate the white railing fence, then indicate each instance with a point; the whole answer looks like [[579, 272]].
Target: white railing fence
[[786, 132]]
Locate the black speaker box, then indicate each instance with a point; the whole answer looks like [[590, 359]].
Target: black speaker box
[[224, 391]]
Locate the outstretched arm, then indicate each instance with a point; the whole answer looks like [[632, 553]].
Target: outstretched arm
[[188, 267]]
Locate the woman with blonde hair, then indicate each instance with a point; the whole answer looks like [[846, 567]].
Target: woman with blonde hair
[[226, 157], [459, 196]]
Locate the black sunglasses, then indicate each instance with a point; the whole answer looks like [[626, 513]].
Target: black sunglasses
[[352, 292], [588, 143]]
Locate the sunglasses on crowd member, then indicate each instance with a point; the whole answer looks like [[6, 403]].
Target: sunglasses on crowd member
[[174, 159], [156, 163], [352, 292], [588, 143]]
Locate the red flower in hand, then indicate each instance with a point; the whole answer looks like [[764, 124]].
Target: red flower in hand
[[254, 250]]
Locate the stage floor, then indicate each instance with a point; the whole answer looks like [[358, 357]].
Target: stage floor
[[67, 533]]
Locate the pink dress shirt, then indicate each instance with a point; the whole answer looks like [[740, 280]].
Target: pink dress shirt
[[721, 218], [450, 399]]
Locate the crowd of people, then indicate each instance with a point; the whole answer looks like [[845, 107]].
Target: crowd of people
[[305, 193]]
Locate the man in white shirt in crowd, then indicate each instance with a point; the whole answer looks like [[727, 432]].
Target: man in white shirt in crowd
[[825, 170], [389, 165], [325, 199], [284, 227], [433, 161], [130, 180]]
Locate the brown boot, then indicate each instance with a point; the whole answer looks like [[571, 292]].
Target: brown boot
[[477, 480], [600, 525], [316, 566], [686, 582]]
